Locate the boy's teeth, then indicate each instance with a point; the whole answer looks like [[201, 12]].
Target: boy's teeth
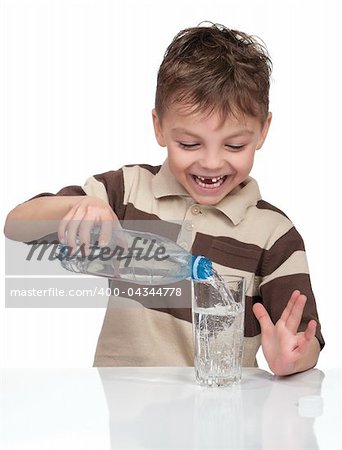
[[208, 182], [211, 180]]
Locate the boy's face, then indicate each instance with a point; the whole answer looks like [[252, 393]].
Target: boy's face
[[209, 157]]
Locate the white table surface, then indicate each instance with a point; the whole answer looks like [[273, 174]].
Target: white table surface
[[162, 408]]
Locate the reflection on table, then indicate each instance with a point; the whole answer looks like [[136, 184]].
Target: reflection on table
[[165, 409], [162, 408]]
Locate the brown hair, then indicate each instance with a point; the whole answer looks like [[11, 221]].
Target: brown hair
[[215, 68]]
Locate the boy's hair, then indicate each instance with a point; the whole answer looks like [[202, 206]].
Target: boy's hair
[[213, 68]]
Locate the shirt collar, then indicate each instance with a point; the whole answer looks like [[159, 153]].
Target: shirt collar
[[164, 184], [234, 205]]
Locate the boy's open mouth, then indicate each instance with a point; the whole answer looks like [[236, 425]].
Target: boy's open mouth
[[210, 183]]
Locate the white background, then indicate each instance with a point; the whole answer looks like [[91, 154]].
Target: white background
[[77, 88]]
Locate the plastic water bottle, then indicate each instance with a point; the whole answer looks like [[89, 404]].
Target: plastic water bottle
[[137, 257]]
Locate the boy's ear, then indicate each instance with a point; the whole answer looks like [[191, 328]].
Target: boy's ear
[[158, 129], [264, 131]]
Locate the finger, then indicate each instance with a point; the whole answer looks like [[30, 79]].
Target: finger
[[81, 216], [263, 318], [295, 317], [61, 231], [106, 232], [71, 234], [287, 311], [63, 225], [310, 331], [84, 232]]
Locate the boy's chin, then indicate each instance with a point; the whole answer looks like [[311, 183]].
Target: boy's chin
[[209, 200], [209, 196]]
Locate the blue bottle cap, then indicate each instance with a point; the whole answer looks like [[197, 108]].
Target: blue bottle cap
[[202, 268]]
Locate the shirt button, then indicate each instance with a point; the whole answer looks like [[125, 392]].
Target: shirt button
[[184, 245], [195, 210], [189, 226]]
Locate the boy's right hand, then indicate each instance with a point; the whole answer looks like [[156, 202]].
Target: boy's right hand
[[81, 219]]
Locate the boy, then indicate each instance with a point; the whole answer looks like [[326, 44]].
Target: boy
[[211, 113]]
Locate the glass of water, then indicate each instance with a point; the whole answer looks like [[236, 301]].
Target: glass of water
[[218, 309]]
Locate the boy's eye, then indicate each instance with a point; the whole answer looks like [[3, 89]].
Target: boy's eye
[[235, 148], [188, 146]]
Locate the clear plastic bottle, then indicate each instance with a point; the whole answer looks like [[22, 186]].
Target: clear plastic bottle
[[138, 257]]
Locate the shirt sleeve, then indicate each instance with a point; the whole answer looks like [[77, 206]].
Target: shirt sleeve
[[284, 270], [108, 186]]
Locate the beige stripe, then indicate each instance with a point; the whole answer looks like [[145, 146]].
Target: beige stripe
[[260, 227], [136, 336], [138, 191], [138, 188], [95, 188], [296, 263]]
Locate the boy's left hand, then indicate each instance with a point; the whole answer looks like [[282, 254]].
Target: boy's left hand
[[284, 348]]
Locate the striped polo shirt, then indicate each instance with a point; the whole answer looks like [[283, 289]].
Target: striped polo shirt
[[242, 235]]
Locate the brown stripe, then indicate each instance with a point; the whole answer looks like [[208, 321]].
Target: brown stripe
[[67, 191], [229, 252], [179, 306], [282, 249], [251, 327], [178, 313], [167, 300], [265, 205], [71, 190], [114, 184], [277, 293], [233, 253], [135, 219], [132, 213]]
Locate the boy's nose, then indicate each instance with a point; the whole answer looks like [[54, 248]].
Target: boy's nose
[[212, 160]]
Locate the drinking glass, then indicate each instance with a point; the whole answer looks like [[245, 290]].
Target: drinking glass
[[218, 308]]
